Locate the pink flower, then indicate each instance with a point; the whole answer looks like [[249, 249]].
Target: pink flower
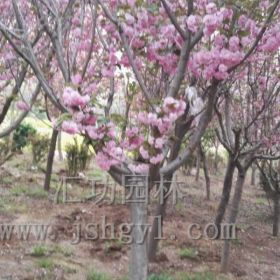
[[94, 133], [271, 45], [109, 155], [227, 13], [211, 23], [156, 159], [72, 98], [144, 153], [136, 43], [262, 82], [23, 106], [89, 119], [107, 72], [129, 19], [246, 41], [164, 125], [203, 57], [159, 143], [211, 8], [77, 79], [151, 140], [242, 21], [141, 168], [192, 23], [229, 58], [102, 161], [219, 41], [70, 127], [134, 139], [234, 44], [90, 89], [131, 3], [176, 107], [221, 74]]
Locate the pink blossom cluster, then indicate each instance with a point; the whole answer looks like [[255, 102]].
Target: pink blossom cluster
[[101, 132], [271, 40], [216, 62], [163, 121], [73, 99], [133, 139], [109, 155], [70, 127]]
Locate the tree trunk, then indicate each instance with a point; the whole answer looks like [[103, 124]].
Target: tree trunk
[[276, 215], [154, 233], [59, 146], [198, 162], [226, 192], [253, 175], [232, 219], [206, 173], [216, 159], [153, 242], [138, 268], [50, 160]]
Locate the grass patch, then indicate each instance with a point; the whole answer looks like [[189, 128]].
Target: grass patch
[[236, 241], [39, 251], [18, 191], [261, 201], [159, 277], [4, 205], [35, 192], [188, 253], [46, 264], [66, 252], [6, 180], [180, 207], [93, 275], [38, 193], [17, 208]]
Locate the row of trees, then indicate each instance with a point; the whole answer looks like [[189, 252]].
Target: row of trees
[[175, 67]]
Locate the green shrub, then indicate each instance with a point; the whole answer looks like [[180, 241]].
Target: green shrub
[[78, 156], [4, 147], [40, 145], [21, 135]]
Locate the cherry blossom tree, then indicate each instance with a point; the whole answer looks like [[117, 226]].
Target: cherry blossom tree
[[168, 62]]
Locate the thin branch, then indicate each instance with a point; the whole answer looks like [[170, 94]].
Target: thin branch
[[173, 19], [258, 38]]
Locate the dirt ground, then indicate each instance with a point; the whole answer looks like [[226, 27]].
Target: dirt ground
[[255, 254]]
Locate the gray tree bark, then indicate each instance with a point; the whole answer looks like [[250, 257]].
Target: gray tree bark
[[232, 218], [253, 175], [138, 268], [206, 173], [276, 215], [226, 192], [198, 163], [50, 160]]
